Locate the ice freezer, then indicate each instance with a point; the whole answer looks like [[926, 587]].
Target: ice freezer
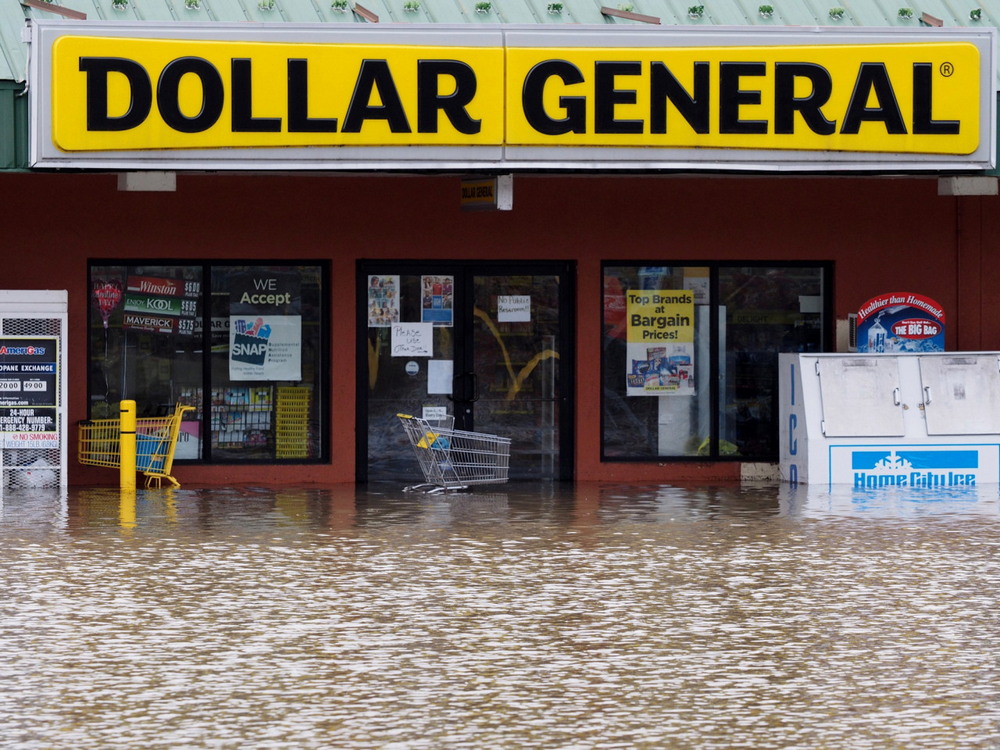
[[880, 420]]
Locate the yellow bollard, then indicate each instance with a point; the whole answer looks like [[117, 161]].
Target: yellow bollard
[[126, 507], [127, 438]]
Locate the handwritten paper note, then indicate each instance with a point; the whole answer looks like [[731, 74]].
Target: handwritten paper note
[[514, 308], [412, 339], [435, 413]]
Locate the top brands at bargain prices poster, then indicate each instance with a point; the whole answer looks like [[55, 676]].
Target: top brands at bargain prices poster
[[660, 342]]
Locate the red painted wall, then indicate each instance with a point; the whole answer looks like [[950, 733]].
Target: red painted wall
[[885, 234]]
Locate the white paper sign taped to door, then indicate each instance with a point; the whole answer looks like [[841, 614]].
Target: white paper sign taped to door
[[412, 339], [514, 308]]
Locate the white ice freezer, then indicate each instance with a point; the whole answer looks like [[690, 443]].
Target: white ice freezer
[[890, 420]]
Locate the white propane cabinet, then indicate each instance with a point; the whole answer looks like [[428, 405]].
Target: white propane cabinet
[[899, 420], [33, 388]]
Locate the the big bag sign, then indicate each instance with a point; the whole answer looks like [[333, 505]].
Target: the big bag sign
[[194, 96]]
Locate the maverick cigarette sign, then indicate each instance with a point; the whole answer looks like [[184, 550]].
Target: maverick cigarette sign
[[197, 96]]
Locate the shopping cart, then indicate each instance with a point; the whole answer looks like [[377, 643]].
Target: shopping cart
[[455, 459], [155, 441]]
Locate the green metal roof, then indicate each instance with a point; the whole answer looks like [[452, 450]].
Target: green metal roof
[[809, 13]]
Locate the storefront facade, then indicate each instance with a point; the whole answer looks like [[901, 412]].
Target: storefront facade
[[620, 322]]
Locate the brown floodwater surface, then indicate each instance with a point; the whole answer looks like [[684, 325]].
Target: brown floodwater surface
[[518, 616]]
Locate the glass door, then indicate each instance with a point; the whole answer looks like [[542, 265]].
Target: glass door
[[487, 344]]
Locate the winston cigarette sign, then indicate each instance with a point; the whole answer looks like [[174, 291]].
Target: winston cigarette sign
[[513, 98]]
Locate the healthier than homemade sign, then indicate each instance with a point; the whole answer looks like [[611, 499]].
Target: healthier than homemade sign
[[904, 95]]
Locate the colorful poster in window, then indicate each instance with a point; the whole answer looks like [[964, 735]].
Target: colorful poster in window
[[161, 305], [900, 322], [383, 301], [159, 287], [268, 347], [107, 295], [437, 300], [265, 327], [660, 342]]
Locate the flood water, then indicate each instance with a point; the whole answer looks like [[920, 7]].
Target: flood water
[[591, 616]]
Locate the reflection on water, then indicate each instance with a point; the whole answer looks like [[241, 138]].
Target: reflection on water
[[596, 616]]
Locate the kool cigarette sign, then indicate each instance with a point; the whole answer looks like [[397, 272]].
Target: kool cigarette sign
[[517, 96]]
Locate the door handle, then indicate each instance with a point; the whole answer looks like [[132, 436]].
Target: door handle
[[927, 394], [466, 393]]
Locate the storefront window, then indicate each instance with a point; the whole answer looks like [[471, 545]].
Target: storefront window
[[689, 364], [764, 310], [243, 344]]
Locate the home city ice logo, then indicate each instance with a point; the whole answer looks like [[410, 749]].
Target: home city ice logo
[[250, 341], [915, 468]]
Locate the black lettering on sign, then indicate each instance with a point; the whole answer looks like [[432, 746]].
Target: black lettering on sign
[[243, 119], [373, 77], [212, 94], [430, 101], [574, 107], [786, 104], [923, 121], [873, 78], [299, 120], [732, 97], [693, 107], [607, 97], [140, 87]]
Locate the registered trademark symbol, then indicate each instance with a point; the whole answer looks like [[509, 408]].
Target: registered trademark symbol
[[947, 69]]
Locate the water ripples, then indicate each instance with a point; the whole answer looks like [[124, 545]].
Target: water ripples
[[596, 618]]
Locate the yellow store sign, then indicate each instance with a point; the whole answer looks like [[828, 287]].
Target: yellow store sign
[[894, 97], [153, 93], [510, 102]]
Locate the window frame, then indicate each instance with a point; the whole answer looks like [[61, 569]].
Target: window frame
[[322, 381], [715, 364]]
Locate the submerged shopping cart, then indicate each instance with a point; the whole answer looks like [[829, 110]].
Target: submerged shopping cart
[[455, 459], [100, 444]]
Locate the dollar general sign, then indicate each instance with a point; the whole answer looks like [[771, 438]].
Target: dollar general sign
[[113, 93]]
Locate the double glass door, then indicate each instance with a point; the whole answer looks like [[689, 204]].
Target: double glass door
[[489, 344]]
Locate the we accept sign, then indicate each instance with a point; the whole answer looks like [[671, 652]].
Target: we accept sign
[[265, 327]]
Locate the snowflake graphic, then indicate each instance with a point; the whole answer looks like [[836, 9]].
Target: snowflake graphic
[[892, 464]]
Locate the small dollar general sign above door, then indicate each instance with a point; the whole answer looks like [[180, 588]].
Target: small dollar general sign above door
[[449, 97]]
